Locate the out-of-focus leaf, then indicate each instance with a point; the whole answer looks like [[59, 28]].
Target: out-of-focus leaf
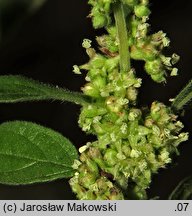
[[183, 191], [25, 4], [14, 12]]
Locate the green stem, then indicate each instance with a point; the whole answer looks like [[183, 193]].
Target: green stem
[[184, 97], [125, 64]]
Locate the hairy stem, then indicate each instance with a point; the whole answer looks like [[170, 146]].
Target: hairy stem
[[125, 64], [184, 97], [19, 89], [74, 97]]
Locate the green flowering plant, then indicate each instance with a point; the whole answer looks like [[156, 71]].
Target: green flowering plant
[[132, 143]]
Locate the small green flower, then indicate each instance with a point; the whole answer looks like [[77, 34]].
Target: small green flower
[[86, 43], [76, 69]]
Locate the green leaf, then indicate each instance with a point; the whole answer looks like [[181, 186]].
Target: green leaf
[[17, 89], [30, 153], [183, 191], [183, 98]]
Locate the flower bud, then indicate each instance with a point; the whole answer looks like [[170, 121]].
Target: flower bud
[[93, 72], [159, 78], [111, 64], [134, 114], [155, 141], [153, 67], [83, 169], [110, 157], [91, 90], [79, 190], [115, 194], [136, 53], [141, 194], [156, 130], [102, 184], [100, 163], [101, 40], [99, 129], [126, 150], [109, 43], [164, 157], [150, 53], [98, 62], [141, 11], [149, 122], [113, 105], [94, 153], [99, 82], [92, 166], [142, 131], [157, 37], [146, 53], [87, 179], [155, 111], [99, 20], [132, 93], [135, 153], [83, 157]]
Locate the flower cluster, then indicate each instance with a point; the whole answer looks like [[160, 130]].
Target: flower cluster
[[143, 46], [132, 143], [100, 13]]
